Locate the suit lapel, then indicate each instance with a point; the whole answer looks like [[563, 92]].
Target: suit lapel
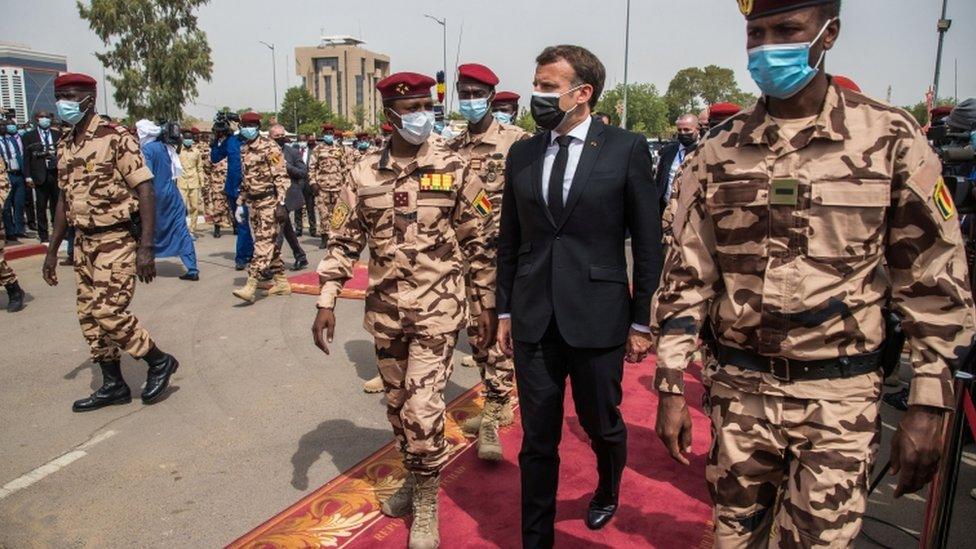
[[591, 151], [537, 176]]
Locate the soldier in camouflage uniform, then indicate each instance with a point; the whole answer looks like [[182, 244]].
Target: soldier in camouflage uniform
[[220, 209], [485, 146], [104, 184], [782, 219], [202, 146], [263, 187], [327, 168], [423, 219], [15, 295]]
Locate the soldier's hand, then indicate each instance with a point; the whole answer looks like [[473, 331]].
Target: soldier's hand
[[324, 322], [638, 345], [239, 215], [916, 448], [504, 336], [281, 215], [673, 425], [487, 326], [50, 268], [145, 264]]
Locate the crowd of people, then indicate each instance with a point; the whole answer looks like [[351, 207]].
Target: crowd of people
[[775, 233]]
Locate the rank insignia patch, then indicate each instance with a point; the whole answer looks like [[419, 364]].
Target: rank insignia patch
[[943, 200], [90, 166], [339, 215], [481, 205]]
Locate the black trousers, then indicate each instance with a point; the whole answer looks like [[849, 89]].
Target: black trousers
[[309, 196], [595, 375], [45, 202], [287, 232]]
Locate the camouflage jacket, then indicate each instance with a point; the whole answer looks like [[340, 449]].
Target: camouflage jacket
[[784, 246], [218, 174], [98, 177], [422, 221], [486, 154], [4, 181], [263, 170], [205, 164], [327, 167]]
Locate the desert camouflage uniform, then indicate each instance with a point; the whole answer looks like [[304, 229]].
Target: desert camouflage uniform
[[419, 241], [327, 171], [206, 168], [98, 180], [485, 154], [7, 275], [791, 460], [263, 187], [219, 208]]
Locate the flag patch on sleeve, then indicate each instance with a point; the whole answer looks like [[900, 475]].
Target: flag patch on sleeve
[[943, 200]]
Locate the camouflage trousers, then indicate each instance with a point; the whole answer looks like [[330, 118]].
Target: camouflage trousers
[[325, 201], [105, 274], [415, 371], [191, 199], [264, 229], [788, 472], [219, 209], [497, 370], [7, 275]]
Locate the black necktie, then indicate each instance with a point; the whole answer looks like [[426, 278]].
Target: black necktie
[[556, 177]]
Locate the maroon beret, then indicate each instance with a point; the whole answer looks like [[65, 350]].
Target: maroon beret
[[719, 111], [387, 128], [506, 97], [478, 73], [754, 9], [941, 111], [405, 85], [195, 131], [74, 79], [250, 117], [328, 127], [845, 82], [338, 133], [362, 135]]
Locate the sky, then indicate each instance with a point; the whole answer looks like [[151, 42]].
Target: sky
[[894, 46]]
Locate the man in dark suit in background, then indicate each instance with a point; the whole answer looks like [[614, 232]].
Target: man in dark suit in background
[[297, 173], [40, 151], [564, 304], [673, 154]]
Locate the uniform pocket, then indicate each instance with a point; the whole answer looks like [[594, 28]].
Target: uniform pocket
[[740, 214], [434, 211], [847, 217], [377, 210]]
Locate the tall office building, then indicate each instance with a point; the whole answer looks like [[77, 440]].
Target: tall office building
[[342, 74], [27, 79]]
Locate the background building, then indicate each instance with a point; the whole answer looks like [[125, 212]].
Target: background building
[[27, 79], [342, 74]]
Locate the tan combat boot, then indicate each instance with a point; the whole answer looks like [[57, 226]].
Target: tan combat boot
[[248, 292], [425, 531], [281, 286], [400, 504], [505, 417], [489, 446], [468, 362], [374, 385]]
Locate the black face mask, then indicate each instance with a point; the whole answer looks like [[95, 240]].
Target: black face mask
[[687, 139], [281, 141], [546, 112]]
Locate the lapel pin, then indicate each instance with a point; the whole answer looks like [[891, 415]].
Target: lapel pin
[[593, 143]]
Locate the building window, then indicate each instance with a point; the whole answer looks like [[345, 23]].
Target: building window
[[359, 90], [12, 95], [328, 92]]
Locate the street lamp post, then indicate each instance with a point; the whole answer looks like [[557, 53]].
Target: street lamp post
[[274, 74], [447, 92], [943, 28], [623, 116]]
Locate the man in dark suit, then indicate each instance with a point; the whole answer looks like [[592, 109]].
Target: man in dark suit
[[673, 154], [297, 172], [564, 304]]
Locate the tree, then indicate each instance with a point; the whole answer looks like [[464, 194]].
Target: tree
[[920, 110], [525, 121], [156, 50], [647, 111], [300, 109], [693, 88]]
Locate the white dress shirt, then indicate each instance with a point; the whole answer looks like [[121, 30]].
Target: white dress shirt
[[675, 164]]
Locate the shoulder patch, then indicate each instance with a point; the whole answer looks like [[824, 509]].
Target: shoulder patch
[[339, 215], [482, 205], [276, 158], [943, 200]]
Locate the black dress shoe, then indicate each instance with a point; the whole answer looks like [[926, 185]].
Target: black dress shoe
[[240, 266], [113, 390], [158, 378], [216, 233], [599, 514], [299, 264], [192, 277]]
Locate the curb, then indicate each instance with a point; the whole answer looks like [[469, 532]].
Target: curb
[[24, 250]]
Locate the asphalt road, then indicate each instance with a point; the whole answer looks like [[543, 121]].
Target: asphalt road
[[256, 417]]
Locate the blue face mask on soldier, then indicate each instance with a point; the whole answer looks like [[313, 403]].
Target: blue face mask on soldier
[[328, 140], [502, 117], [70, 111], [473, 110], [415, 126], [44, 122], [187, 143], [11, 129], [249, 132], [782, 70]]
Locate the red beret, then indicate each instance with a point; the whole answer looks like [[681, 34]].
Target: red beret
[[250, 117], [362, 135], [845, 82], [941, 111], [387, 127], [75, 79], [719, 111], [327, 127], [478, 73], [405, 85], [754, 9], [195, 131], [338, 133], [506, 97]]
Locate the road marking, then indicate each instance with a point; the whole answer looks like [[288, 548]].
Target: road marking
[[53, 466]]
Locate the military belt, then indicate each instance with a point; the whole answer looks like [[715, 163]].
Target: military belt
[[120, 226], [785, 369]]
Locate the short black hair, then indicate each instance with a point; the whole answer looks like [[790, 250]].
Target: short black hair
[[829, 10], [588, 68]]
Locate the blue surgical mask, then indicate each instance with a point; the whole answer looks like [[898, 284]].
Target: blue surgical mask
[[328, 140], [11, 129], [362, 145], [503, 117], [187, 142], [70, 111], [44, 122], [416, 126], [972, 140], [782, 70], [249, 133], [21, 132], [473, 110]]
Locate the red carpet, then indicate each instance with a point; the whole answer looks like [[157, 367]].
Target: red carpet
[[19, 251], [662, 504], [308, 283]]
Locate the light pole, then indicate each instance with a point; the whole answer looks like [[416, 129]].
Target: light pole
[[943, 28], [623, 116], [274, 74], [447, 91]]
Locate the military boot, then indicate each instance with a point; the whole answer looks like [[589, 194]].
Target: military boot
[[281, 286], [216, 232], [505, 417], [248, 292], [324, 242], [489, 446], [425, 531], [113, 390], [15, 297], [401, 502], [468, 362], [162, 366], [374, 385]]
